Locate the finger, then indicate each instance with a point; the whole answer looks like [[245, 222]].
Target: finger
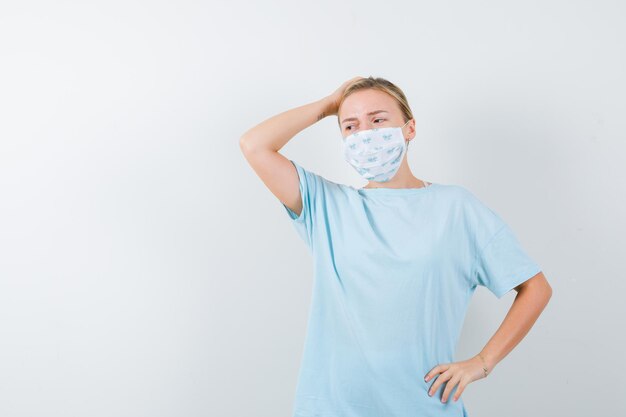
[[437, 369], [431, 373], [449, 387], [460, 390], [440, 380], [435, 386]]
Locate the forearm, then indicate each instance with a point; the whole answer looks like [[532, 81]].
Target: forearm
[[275, 132], [528, 305]]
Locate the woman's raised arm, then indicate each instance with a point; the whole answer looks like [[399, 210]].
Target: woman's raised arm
[[261, 143]]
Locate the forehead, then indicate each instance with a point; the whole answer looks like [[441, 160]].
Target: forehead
[[359, 104]]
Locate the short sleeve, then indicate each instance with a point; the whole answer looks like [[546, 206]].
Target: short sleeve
[[310, 184], [500, 262]]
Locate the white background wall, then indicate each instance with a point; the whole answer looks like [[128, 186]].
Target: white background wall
[[146, 271]]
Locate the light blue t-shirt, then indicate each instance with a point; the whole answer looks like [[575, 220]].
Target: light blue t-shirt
[[394, 273]]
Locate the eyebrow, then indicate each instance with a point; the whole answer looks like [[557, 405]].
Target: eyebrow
[[369, 114]]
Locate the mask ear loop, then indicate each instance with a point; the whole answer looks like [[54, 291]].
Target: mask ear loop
[[407, 141]]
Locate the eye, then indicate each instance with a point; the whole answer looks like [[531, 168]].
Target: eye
[[378, 119]]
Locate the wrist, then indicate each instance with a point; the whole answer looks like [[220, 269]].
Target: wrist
[[329, 105], [487, 362]]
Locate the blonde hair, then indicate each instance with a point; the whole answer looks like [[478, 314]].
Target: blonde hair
[[379, 84]]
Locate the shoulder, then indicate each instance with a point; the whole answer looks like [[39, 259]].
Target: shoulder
[[460, 194], [456, 194], [466, 203], [480, 215], [315, 183]]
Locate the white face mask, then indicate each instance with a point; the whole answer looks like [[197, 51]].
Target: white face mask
[[376, 154]]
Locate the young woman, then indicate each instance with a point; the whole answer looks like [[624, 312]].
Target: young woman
[[396, 263]]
